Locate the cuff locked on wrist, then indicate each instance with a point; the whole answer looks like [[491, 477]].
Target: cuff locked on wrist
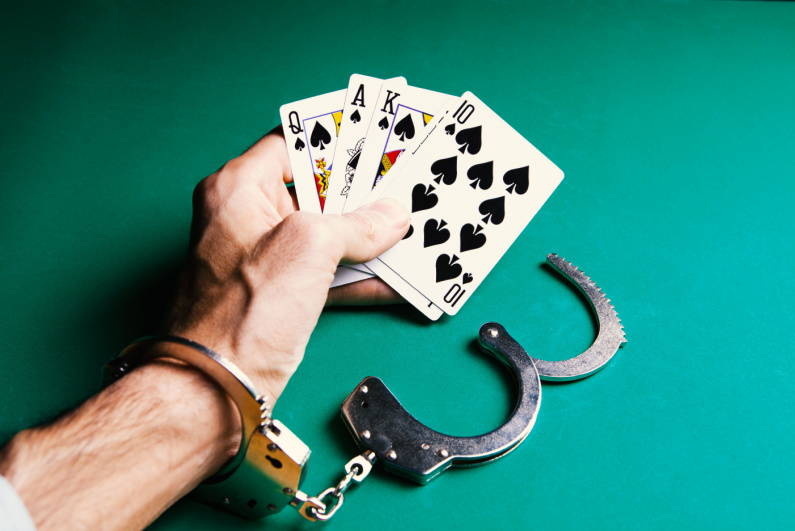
[[269, 466]]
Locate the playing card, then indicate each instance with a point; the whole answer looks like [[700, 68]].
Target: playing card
[[472, 187], [347, 275], [394, 172], [360, 103], [416, 299], [311, 128], [400, 116]]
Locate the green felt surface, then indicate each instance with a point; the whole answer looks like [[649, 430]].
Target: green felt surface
[[673, 122]]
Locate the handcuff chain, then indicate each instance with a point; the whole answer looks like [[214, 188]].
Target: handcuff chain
[[346, 481], [356, 470]]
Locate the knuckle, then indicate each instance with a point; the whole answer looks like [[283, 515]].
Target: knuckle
[[209, 193], [217, 189], [204, 190]]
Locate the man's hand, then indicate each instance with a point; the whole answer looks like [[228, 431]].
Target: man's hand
[[257, 279], [260, 271]]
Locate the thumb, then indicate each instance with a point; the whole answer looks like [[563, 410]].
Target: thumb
[[370, 230]]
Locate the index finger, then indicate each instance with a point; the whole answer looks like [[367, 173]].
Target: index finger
[[365, 292]]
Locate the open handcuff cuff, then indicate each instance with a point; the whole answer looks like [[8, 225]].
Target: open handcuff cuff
[[266, 474]]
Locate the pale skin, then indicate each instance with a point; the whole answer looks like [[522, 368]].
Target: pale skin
[[257, 279]]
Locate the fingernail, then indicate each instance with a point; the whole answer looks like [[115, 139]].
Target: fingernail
[[395, 212]]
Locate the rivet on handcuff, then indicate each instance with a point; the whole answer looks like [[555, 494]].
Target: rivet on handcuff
[[270, 465]]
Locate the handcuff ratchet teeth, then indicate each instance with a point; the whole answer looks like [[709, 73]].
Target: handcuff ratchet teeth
[[609, 339]]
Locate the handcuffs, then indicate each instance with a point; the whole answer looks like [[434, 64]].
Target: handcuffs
[[267, 472]]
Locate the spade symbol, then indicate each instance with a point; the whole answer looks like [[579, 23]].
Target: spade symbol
[[405, 128], [356, 117], [320, 136], [493, 210], [445, 169], [467, 278], [422, 199], [446, 268], [384, 123], [481, 175], [409, 233], [435, 233], [472, 238], [299, 144], [450, 129], [354, 160], [469, 140], [517, 180]]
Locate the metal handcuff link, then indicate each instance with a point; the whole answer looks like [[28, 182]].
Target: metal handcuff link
[[266, 474]]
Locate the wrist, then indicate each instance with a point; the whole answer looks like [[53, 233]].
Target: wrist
[[267, 471], [193, 411], [138, 446]]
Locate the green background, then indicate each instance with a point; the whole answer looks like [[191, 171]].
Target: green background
[[673, 123]]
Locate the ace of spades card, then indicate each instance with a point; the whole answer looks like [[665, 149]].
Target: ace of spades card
[[472, 187], [311, 128], [401, 114], [360, 104]]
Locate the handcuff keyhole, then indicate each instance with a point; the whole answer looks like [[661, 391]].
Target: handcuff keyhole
[[275, 462]]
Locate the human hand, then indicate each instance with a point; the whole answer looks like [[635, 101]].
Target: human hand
[[257, 279], [259, 270]]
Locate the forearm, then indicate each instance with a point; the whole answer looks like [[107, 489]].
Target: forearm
[[127, 454], [257, 279]]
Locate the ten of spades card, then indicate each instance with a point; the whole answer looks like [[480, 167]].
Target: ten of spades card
[[472, 187], [311, 127], [360, 102], [400, 115]]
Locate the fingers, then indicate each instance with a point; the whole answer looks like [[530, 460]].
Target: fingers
[[368, 231], [305, 250], [366, 292], [271, 149], [293, 198], [244, 199], [267, 164], [264, 166]]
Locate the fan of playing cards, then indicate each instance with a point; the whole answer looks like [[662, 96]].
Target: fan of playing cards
[[471, 182]]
